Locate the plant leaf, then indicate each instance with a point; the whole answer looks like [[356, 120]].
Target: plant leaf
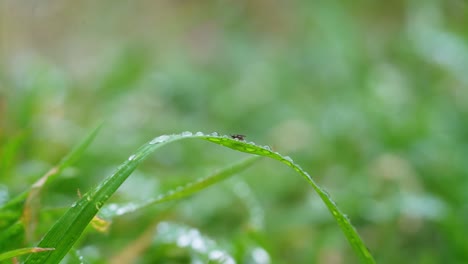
[[70, 226], [20, 213], [113, 210], [22, 251]]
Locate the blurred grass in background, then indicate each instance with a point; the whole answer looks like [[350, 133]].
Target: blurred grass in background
[[371, 97]]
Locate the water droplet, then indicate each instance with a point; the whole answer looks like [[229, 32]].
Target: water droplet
[[132, 157], [260, 256], [199, 133], [186, 134], [198, 244], [184, 240], [98, 205], [288, 159], [214, 134], [73, 204], [249, 149], [218, 255], [267, 147], [159, 139]]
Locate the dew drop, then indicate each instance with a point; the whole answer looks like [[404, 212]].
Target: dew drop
[[198, 244], [184, 240], [214, 134], [98, 205], [159, 139], [186, 134], [249, 149], [73, 205], [260, 256], [132, 157], [218, 255], [199, 133], [288, 159]]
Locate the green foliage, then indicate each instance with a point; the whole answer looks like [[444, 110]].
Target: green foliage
[[66, 231], [369, 97]]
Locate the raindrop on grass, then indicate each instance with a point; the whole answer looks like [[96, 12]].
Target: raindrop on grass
[[214, 134], [186, 134], [198, 244], [132, 157], [159, 139], [267, 147], [288, 159], [218, 255], [199, 133], [249, 149], [98, 205], [260, 256]]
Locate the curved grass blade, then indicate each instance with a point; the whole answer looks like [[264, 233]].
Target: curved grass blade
[[113, 210], [351, 234], [22, 251], [70, 226]]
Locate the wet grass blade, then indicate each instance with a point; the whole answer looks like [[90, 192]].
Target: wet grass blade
[[113, 210], [345, 224], [22, 251], [70, 226], [32, 203], [18, 215]]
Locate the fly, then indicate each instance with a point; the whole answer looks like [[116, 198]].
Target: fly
[[238, 137]]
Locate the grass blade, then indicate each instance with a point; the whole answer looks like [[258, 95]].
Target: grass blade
[[22, 251], [32, 203], [20, 213], [70, 226], [350, 232], [113, 210]]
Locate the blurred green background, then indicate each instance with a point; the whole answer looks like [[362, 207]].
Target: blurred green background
[[370, 97]]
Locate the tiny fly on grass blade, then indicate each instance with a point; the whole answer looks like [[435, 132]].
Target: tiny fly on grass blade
[[238, 137]]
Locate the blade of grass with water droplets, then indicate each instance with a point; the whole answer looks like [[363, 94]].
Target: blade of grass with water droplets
[[350, 232], [70, 226], [66, 230], [113, 210], [32, 204], [18, 215]]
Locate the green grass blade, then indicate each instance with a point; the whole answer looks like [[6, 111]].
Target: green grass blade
[[350, 232], [70, 226], [22, 251], [26, 205], [65, 162], [188, 189], [32, 204]]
